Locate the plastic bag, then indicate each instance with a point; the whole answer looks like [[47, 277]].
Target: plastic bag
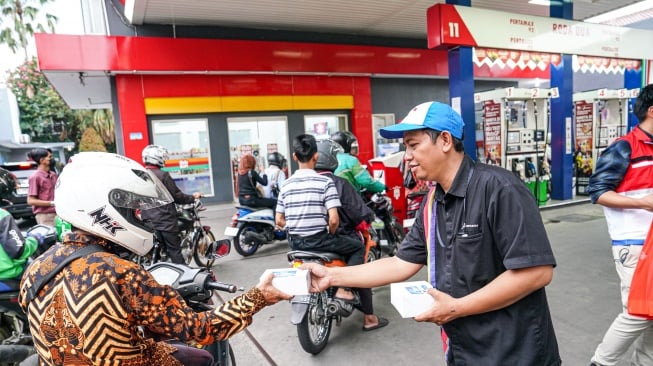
[[640, 298]]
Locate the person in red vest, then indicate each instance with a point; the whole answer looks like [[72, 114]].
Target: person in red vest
[[623, 184]]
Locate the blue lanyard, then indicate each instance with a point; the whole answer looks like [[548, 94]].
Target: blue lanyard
[[435, 234]]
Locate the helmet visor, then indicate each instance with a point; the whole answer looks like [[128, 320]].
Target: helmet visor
[[144, 192]]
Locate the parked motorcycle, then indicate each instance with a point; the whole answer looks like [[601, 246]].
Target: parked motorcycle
[[16, 342], [390, 233], [196, 286], [252, 227]]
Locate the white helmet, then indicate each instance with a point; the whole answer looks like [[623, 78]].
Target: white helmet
[[155, 155], [99, 192]]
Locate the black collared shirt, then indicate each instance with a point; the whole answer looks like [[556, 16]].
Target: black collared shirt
[[488, 223]]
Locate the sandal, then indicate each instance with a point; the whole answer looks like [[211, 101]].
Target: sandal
[[382, 322]]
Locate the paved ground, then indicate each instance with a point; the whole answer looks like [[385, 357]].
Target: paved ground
[[583, 299]]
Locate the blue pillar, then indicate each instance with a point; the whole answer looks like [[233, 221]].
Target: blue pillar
[[633, 79], [461, 87], [562, 77]]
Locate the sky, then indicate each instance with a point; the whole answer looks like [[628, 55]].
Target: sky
[[70, 22]]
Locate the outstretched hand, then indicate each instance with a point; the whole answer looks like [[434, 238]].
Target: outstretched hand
[[320, 279], [442, 311], [271, 294]]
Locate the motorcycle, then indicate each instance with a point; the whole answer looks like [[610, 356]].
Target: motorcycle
[[16, 342], [389, 231], [252, 227], [315, 313], [198, 242], [196, 286]]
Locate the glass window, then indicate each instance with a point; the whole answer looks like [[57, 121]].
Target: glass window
[[384, 147], [189, 164], [323, 126]]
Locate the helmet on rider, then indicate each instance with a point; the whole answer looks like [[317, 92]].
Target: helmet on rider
[[7, 185], [327, 152], [155, 155], [347, 140], [276, 158], [100, 193]]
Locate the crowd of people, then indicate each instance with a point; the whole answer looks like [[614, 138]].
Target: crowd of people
[[487, 270]]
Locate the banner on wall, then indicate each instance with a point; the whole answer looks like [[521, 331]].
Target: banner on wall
[[492, 132], [584, 144]]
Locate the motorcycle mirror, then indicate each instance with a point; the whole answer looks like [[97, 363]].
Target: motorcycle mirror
[[222, 248]]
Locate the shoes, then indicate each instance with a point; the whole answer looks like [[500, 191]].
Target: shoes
[[382, 322]]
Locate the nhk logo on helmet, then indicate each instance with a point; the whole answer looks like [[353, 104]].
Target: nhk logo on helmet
[[107, 222]]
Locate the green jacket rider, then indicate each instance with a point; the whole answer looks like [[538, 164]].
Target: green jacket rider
[[350, 168]]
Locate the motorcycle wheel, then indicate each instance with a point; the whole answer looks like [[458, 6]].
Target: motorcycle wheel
[[187, 247], [242, 247], [314, 330], [232, 357], [203, 249], [398, 233]]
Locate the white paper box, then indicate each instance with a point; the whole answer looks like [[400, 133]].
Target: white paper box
[[292, 281], [411, 298]]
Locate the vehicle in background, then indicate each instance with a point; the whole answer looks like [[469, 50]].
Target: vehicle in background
[[22, 170]]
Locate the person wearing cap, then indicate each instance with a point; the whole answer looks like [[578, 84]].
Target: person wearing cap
[[40, 193], [480, 234]]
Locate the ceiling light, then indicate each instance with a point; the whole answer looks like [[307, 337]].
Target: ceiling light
[[540, 2], [621, 12]]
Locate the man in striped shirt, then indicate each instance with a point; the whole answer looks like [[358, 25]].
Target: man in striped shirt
[[308, 208]]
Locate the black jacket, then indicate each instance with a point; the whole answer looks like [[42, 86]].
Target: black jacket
[[164, 218], [353, 209], [247, 183]]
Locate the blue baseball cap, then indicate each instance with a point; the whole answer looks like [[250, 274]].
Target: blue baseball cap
[[434, 115]]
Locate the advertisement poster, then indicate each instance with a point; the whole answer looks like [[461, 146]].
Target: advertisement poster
[[191, 170], [584, 144], [492, 132]]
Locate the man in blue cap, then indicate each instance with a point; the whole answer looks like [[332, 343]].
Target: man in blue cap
[[480, 234]]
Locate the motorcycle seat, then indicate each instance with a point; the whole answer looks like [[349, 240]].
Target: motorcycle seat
[[306, 255], [242, 207]]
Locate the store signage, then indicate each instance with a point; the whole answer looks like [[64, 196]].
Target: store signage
[[452, 26]]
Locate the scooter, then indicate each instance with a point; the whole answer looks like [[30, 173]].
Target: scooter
[[16, 343], [252, 227]]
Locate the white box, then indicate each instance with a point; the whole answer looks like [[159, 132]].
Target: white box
[[411, 298], [292, 281]]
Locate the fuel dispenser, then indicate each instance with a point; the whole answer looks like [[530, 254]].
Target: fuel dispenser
[[514, 134], [601, 116]]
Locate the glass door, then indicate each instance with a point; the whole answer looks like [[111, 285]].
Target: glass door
[[258, 136]]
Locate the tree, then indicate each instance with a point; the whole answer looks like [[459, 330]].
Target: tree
[[47, 118], [91, 141], [43, 114], [19, 22]]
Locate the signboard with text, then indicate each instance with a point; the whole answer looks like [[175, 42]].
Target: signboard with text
[[451, 25]]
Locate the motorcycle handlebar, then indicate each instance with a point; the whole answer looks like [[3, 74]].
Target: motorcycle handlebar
[[221, 286]]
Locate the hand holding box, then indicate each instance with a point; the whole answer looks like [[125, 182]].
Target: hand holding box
[[292, 281], [411, 298]]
